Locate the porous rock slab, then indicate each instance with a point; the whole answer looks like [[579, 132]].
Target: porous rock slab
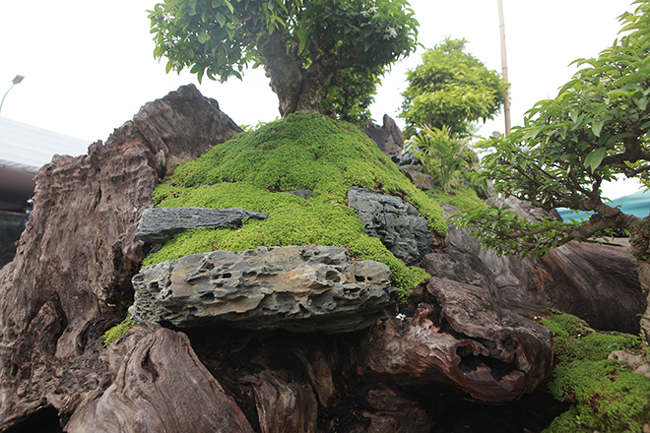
[[394, 221], [298, 288], [161, 224]]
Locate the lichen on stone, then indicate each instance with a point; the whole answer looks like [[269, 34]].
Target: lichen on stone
[[303, 152], [605, 395]]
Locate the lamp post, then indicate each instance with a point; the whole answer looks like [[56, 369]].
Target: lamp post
[[17, 79]]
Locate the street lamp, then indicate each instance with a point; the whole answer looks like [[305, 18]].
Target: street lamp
[[17, 79]]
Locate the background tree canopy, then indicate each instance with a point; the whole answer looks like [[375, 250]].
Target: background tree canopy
[[452, 88], [309, 48], [596, 128]]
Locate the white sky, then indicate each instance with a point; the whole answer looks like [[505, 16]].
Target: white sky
[[89, 64]]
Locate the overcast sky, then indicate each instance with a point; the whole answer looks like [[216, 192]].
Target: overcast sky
[[89, 64]]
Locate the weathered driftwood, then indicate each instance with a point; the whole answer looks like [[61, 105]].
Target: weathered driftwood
[[458, 335], [157, 379], [71, 277]]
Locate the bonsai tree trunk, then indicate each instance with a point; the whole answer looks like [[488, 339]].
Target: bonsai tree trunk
[[298, 89]]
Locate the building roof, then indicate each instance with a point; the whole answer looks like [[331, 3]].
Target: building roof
[[24, 149], [27, 148]]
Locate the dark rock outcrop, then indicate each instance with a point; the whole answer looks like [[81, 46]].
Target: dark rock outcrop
[[598, 283], [302, 289], [419, 179], [457, 334], [388, 137], [71, 277], [161, 224], [394, 221]]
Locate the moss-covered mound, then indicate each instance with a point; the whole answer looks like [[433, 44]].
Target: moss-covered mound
[[606, 395], [462, 198], [305, 151]]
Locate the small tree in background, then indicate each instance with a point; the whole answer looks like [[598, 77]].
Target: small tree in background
[[309, 48], [452, 88], [596, 128]]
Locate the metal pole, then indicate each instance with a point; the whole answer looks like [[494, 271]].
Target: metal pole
[[504, 67], [17, 79]]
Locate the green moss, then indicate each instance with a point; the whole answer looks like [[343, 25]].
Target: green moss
[[462, 198], [305, 151], [605, 394], [117, 331]]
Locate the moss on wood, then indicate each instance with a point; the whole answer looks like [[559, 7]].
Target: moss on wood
[[606, 395]]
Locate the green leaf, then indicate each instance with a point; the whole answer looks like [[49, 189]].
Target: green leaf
[[597, 127], [642, 103], [203, 36], [221, 19], [229, 6], [594, 159]]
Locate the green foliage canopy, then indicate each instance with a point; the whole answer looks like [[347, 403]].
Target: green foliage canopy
[[452, 88], [596, 128], [302, 44]]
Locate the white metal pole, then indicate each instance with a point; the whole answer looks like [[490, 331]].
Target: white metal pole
[[504, 67]]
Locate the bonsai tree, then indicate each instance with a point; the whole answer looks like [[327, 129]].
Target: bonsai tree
[[595, 129], [452, 88], [307, 47]]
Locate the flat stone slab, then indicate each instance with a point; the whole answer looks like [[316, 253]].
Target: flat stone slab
[[161, 224], [298, 288]]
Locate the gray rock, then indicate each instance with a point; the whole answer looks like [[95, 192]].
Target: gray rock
[[159, 225], [302, 193], [406, 160], [419, 179], [395, 222], [301, 289]]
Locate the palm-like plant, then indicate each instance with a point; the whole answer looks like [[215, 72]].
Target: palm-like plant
[[443, 155]]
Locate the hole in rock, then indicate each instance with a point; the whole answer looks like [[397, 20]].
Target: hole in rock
[[148, 365], [207, 297], [45, 420], [333, 276], [360, 278], [207, 266], [227, 275]]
